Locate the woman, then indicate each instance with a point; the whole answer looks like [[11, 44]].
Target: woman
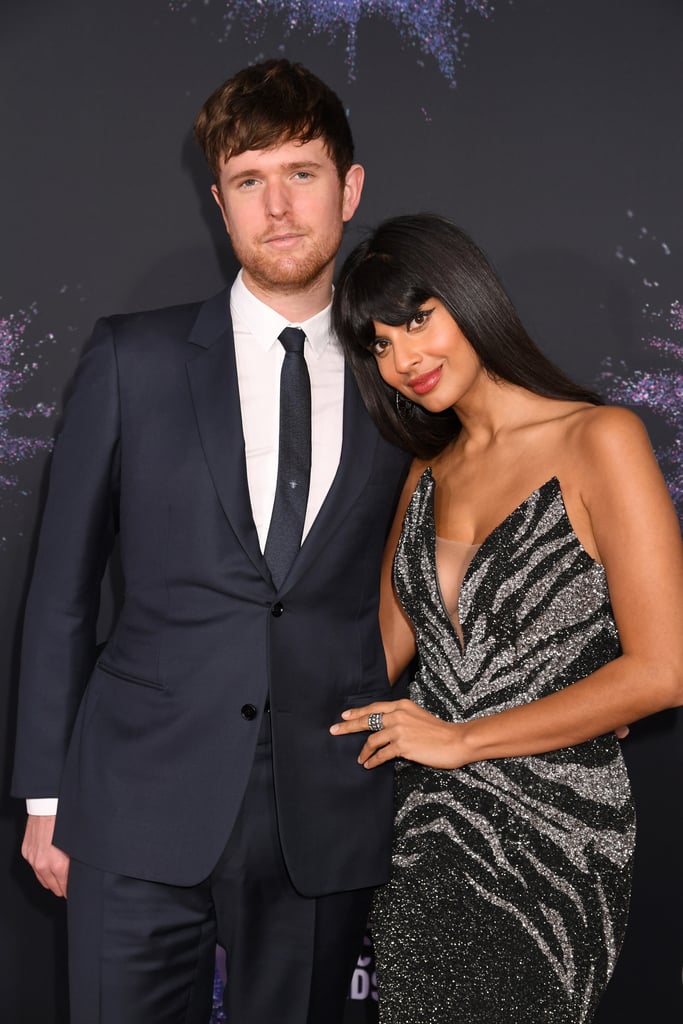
[[538, 575]]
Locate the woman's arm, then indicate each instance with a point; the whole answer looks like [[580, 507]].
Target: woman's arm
[[639, 542], [397, 633]]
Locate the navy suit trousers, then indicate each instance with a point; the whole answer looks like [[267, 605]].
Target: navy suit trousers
[[143, 952]]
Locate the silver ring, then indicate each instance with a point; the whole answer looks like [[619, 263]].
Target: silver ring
[[375, 723]]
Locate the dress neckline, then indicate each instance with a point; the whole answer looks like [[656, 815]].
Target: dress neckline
[[553, 482], [459, 543]]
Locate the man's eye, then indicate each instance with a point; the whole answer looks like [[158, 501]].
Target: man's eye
[[248, 183]]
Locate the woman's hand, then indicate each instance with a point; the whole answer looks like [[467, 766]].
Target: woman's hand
[[407, 731]]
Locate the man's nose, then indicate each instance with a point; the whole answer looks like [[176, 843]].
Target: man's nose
[[277, 199]]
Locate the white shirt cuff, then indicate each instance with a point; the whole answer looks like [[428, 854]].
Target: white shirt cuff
[[42, 806]]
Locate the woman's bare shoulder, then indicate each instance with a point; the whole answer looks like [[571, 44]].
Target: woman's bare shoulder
[[608, 431], [608, 451]]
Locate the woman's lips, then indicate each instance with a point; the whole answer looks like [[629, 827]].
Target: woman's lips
[[422, 385]]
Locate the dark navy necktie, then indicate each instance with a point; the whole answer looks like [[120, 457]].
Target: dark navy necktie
[[294, 458]]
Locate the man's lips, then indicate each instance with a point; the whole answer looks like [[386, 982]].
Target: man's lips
[[285, 240], [426, 382]]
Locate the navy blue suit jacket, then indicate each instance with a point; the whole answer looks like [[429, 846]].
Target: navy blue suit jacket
[[150, 751]]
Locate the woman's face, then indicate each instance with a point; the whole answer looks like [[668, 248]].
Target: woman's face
[[428, 359]]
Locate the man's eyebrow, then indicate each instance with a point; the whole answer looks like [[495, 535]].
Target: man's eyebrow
[[297, 165]]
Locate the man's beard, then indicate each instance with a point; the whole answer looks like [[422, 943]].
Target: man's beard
[[288, 273]]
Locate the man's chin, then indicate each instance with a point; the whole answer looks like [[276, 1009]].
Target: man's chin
[[286, 275]]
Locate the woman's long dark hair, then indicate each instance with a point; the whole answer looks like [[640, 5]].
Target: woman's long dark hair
[[402, 264]]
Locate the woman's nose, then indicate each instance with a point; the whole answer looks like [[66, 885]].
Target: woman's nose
[[405, 354]]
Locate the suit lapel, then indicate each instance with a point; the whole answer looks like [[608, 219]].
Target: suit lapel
[[212, 375], [359, 444]]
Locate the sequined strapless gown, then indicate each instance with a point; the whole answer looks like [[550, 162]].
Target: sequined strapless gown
[[510, 884]]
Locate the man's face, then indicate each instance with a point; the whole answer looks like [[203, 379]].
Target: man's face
[[284, 209]]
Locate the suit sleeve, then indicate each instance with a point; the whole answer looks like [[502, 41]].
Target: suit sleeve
[[76, 537]]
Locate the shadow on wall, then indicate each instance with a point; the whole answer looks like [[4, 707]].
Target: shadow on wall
[[190, 275]]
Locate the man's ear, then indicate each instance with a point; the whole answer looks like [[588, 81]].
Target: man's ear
[[353, 188], [216, 193]]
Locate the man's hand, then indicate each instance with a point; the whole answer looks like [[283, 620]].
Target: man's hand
[[51, 865]]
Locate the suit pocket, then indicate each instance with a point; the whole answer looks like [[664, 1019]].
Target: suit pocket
[[359, 700], [127, 678]]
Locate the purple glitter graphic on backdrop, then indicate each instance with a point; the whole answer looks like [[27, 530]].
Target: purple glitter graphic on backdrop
[[219, 979], [19, 360], [658, 388], [436, 27], [217, 1014]]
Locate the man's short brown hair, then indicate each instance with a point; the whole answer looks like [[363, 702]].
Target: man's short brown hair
[[270, 103]]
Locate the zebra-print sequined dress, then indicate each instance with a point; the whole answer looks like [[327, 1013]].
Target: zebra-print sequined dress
[[510, 884]]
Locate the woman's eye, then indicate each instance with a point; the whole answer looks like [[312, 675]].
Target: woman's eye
[[420, 318], [379, 346]]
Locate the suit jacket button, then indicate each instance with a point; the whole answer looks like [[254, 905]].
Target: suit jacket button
[[249, 712], [277, 609]]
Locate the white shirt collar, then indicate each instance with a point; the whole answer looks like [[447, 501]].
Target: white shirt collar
[[264, 324]]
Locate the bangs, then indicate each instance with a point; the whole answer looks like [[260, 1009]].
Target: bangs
[[382, 291]]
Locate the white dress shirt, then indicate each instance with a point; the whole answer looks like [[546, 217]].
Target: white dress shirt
[[259, 356]]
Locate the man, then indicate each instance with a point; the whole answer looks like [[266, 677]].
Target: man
[[201, 795]]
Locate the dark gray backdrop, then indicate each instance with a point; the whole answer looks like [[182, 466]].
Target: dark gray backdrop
[[554, 137]]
